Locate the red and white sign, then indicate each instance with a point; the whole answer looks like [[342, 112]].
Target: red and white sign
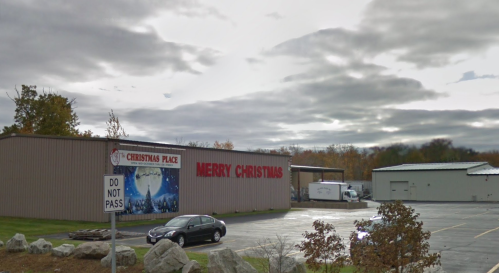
[[144, 159]]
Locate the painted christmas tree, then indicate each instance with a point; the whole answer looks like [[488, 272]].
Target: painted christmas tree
[[148, 207]]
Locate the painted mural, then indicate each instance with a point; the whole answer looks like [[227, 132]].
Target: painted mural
[[150, 189]]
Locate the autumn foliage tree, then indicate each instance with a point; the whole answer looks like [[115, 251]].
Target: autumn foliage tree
[[323, 248], [45, 114], [227, 145], [398, 243]]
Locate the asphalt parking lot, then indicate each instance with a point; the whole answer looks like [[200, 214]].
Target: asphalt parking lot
[[466, 234]]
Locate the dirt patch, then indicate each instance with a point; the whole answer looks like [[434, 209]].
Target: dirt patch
[[24, 262]]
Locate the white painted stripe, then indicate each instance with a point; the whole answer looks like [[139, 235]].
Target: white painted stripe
[[486, 232], [475, 215], [493, 269], [447, 228]]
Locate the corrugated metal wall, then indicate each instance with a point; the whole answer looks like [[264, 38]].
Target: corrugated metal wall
[[52, 178], [62, 178], [205, 195]]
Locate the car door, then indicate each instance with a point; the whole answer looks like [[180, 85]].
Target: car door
[[194, 229], [208, 227]]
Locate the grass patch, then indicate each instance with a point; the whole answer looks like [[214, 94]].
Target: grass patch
[[33, 228], [38, 227]]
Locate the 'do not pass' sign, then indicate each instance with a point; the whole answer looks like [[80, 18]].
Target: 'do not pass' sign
[[114, 193]]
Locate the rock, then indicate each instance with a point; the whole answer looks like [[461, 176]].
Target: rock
[[92, 250], [17, 243], [124, 256], [165, 256], [1, 243], [227, 261], [40, 246], [63, 250], [192, 267], [287, 265]]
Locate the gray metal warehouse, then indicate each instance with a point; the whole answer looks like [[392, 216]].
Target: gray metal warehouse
[[459, 181], [50, 177]]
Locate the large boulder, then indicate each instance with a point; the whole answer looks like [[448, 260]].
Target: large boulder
[[124, 256], [92, 250], [227, 261], [63, 250], [165, 257], [286, 265], [40, 246], [17, 243], [192, 267]]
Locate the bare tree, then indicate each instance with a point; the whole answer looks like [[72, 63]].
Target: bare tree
[[323, 248], [114, 128], [179, 141], [271, 252], [198, 144]]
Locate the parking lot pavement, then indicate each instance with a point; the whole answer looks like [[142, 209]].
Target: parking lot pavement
[[466, 234]]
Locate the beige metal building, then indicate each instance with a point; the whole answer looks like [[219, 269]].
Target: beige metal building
[[459, 181], [62, 178]]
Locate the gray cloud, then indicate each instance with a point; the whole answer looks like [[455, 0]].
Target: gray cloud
[[262, 121], [254, 61], [431, 32], [353, 98], [7, 112], [274, 15], [424, 33], [470, 75], [360, 106], [80, 41]]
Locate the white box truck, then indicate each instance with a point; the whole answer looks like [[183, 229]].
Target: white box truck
[[331, 191]]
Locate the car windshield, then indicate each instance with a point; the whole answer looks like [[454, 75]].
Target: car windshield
[[353, 194], [178, 222]]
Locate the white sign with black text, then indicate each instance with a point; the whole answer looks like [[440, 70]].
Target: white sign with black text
[[114, 193]]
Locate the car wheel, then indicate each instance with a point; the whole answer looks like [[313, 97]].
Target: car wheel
[[216, 236], [181, 240]]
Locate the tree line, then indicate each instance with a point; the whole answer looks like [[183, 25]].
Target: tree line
[[358, 163]]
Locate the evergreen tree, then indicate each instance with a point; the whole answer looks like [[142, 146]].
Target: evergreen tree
[[148, 207]]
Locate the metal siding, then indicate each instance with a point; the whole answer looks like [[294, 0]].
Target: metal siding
[[52, 178], [205, 195], [62, 178], [433, 166], [445, 185], [491, 171]]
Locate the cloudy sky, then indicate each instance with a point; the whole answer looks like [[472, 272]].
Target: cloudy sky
[[263, 74]]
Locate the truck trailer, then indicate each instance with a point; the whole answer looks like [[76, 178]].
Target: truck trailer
[[331, 191]]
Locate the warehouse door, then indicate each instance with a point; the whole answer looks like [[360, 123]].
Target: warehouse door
[[412, 193], [399, 190]]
